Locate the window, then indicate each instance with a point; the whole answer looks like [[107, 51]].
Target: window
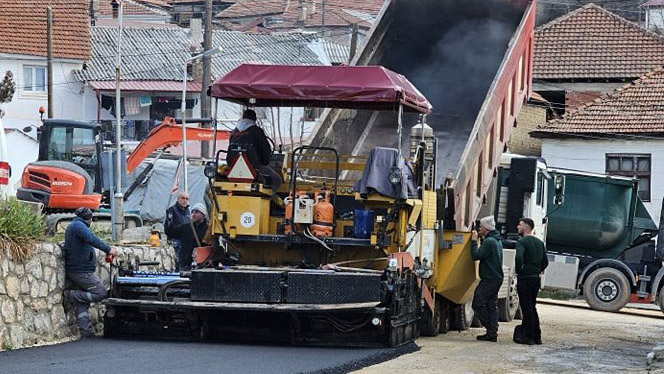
[[540, 189], [74, 144], [491, 140], [501, 122], [510, 97], [631, 165], [467, 198], [519, 74], [34, 78]]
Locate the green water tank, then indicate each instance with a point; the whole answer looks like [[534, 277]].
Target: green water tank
[[600, 216]]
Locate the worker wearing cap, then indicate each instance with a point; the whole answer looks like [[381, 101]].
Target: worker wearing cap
[[80, 265], [490, 255], [190, 234], [251, 138], [177, 215]]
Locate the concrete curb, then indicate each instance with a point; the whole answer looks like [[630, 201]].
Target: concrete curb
[[630, 311]]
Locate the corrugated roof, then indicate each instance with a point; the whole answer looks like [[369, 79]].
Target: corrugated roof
[[637, 108], [593, 43], [254, 8], [147, 54], [338, 53], [23, 28], [277, 48], [158, 54]]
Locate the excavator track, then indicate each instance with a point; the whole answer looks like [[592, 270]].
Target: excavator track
[[56, 223]]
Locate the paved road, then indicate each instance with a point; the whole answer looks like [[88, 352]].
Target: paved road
[[127, 356]]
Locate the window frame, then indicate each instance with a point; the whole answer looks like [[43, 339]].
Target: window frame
[[634, 173], [32, 89]]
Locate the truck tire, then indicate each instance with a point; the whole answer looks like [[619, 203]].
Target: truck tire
[[430, 322], [508, 306], [661, 300], [462, 316], [606, 289]]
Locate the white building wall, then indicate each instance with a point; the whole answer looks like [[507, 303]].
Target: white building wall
[[23, 110], [22, 150], [590, 155]]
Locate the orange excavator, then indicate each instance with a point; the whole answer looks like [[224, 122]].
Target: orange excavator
[[69, 172]]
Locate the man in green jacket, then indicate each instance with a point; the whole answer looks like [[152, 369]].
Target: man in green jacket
[[490, 255], [530, 262]]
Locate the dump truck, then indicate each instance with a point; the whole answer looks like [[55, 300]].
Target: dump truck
[[601, 242], [366, 242]]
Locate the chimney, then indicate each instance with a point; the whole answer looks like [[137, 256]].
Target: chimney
[[302, 13], [116, 8], [196, 32]]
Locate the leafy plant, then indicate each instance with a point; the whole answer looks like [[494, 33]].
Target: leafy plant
[[20, 228], [7, 89]]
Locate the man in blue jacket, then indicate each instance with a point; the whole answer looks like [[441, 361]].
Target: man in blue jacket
[[80, 265]]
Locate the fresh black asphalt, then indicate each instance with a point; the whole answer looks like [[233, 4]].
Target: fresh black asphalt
[[162, 357]]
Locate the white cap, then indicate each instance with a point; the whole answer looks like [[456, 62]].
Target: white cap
[[488, 223], [200, 207]]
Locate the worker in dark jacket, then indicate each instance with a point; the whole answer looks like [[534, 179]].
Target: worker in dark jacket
[[177, 215], [252, 139], [80, 265], [490, 255], [530, 262], [190, 234]]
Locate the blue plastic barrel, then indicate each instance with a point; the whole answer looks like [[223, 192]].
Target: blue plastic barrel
[[363, 223]]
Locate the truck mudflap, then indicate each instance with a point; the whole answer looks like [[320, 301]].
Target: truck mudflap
[[273, 305]]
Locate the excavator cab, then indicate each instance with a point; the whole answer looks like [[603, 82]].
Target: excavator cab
[[67, 173]]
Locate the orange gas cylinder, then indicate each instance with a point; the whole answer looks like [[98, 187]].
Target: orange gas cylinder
[[323, 217]]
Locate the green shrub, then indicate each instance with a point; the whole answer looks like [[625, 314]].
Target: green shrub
[[20, 228]]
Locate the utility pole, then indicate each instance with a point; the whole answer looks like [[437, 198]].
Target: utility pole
[[353, 42], [207, 72], [118, 224], [49, 59]]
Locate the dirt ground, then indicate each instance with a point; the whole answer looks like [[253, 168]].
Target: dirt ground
[[575, 341]]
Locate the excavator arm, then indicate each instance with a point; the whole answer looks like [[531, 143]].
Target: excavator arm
[[169, 134]]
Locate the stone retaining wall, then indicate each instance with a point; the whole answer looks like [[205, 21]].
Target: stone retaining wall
[[31, 305]]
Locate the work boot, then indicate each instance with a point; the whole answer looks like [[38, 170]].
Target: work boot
[[525, 341], [538, 341], [487, 338]]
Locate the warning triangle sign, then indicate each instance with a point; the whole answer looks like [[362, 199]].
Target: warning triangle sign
[[241, 170]]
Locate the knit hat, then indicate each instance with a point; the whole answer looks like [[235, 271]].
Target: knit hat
[[488, 223], [83, 213], [200, 207]]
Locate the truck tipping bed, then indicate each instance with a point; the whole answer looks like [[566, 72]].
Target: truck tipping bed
[[472, 59]]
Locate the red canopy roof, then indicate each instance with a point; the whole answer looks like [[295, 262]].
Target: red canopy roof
[[356, 87]]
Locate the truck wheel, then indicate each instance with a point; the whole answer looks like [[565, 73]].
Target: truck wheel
[[508, 306], [462, 316], [606, 289], [430, 323], [661, 300]]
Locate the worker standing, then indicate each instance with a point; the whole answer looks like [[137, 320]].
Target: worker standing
[[80, 265], [251, 138], [190, 234], [530, 262], [490, 255], [177, 215]]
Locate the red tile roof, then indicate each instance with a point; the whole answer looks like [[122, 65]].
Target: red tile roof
[[337, 12], [593, 43], [23, 28], [637, 108]]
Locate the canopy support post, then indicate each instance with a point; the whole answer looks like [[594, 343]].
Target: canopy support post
[[400, 128]]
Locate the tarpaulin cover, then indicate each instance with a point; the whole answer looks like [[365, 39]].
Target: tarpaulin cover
[[353, 87], [154, 196]]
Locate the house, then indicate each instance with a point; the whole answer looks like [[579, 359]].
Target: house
[[654, 10], [585, 54], [332, 19], [23, 52], [185, 10], [153, 67], [620, 133], [29, 149], [550, 10], [134, 12]]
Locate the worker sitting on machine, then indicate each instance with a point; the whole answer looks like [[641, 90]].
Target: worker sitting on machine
[[249, 139]]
